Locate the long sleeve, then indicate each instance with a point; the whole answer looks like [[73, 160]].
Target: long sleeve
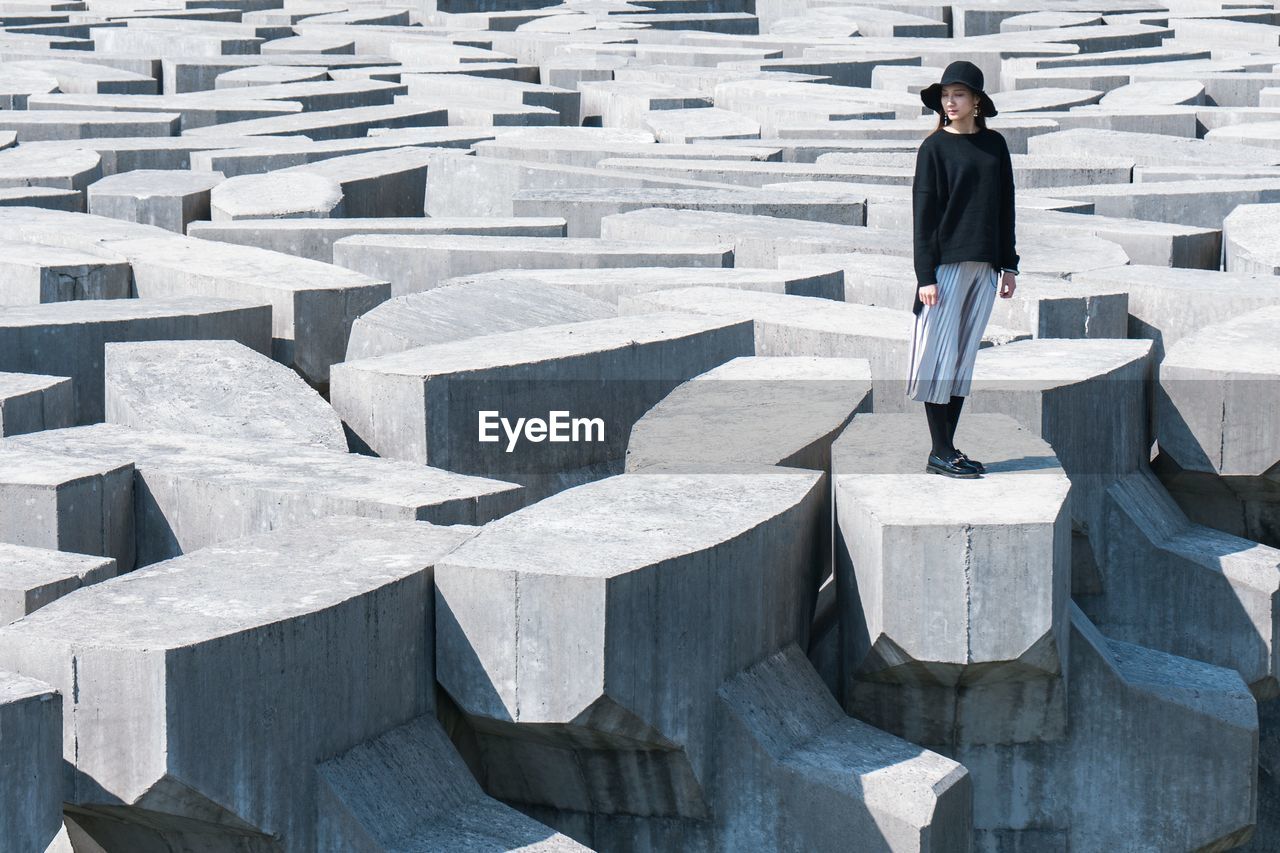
[[926, 211], [1008, 251]]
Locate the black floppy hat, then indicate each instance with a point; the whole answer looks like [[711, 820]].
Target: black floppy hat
[[960, 71]]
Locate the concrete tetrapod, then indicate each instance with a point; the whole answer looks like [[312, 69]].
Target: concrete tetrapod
[[107, 487], [547, 407], [31, 754], [215, 388], [1218, 424], [958, 634], [624, 654], [200, 726]]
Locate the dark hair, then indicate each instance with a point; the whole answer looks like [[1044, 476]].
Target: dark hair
[[943, 121]]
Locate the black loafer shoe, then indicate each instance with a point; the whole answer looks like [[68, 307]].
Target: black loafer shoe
[[973, 463], [952, 467]]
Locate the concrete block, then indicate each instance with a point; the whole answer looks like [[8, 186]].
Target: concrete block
[[67, 339], [312, 305], [30, 578], [1247, 235], [1088, 398], [30, 402], [33, 125], [413, 263], [34, 274], [166, 199], [215, 388], [771, 411], [193, 110], [279, 621], [31, 786], [287, 195], [467, 309], [47, 197], [71, 170], [586, 382], [195, 491], [64, 504]]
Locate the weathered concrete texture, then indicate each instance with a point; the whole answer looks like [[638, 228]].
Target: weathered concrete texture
[[35, 125], [218, 389], [276, 194], [167, 199], [709, 754], [1089, 399], [30, 402], [611, 285], [314, 238], [32, 274], [410, 790], [1249, 239], [68, 339], [600, 376], [236, 637], [194, 490], [312, 304], [1061, 748], [773, 411], [413, 263], [467, 309], [30, 578], [255, 76], [60, 503], [31, 754]]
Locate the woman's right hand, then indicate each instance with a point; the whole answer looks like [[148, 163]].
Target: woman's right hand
[[929, 294]]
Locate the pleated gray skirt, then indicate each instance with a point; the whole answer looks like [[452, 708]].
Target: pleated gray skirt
[[946, 337]]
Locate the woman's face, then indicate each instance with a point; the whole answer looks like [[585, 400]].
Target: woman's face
[[958, 100]]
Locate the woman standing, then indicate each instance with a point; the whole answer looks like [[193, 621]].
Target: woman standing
[[962, 207]]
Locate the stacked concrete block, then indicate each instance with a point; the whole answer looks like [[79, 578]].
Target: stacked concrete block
[[678, 235], [737, 745], [207, 756], [1058, 725]]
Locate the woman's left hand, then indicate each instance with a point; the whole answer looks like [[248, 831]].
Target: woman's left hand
[[1007, 284]]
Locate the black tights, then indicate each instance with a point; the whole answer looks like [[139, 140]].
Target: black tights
[[943, 418]]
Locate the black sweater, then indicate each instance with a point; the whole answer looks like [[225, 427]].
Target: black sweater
[[962, 203]]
